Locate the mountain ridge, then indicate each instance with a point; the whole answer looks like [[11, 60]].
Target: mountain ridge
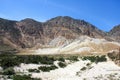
[[29, 33]]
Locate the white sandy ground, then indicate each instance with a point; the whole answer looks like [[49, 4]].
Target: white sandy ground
[[24, 67], [101, 70], [47, 51]]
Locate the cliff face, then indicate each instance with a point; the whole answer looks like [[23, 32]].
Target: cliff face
[[29, 33]]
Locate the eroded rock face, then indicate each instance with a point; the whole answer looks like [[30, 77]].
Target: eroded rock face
[[115, 56], [29, 33], [72, 28]]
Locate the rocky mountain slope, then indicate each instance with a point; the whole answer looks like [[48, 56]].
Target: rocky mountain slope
[[83, 45], [115, 33], [55, 32]]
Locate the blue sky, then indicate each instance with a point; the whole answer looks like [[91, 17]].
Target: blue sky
[[104, 14]]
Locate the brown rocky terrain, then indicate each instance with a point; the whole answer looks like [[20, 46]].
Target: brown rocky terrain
[[29, 33], [115, 33], [115, 56]]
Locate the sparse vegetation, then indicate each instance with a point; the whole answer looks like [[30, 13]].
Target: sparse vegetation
[[62, 65], [73, 58], [34, 70], [9, 71], [95, 58], [24, 77], [84, 68], [7, 61], [88, 64], [47, 68], [61, 59]]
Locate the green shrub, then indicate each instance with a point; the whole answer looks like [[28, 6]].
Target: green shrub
[[73, 58], [61, 59], [33, 70], [91, 58], [95, 58], [8, 62], [8, 71], [88, 64], [14, 60], [24, 77], [47, 60], [47, 68], [61, 64], [101, 58], [84, 68]]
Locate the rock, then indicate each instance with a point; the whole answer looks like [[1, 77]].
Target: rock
[[115, 56]]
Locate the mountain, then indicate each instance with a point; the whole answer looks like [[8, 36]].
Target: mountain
[[115, 33], [8, 35], [73, 28], [58, 31]]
